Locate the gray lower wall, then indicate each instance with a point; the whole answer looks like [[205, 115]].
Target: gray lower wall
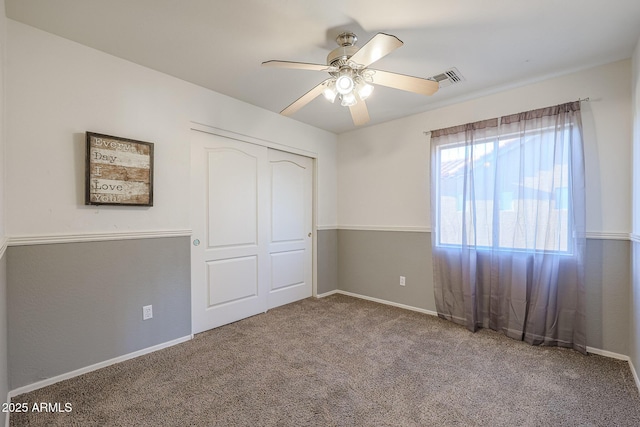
[[77, 304], [4, 370], [607, 283], [371, 262], [634, 318], [327, 247]]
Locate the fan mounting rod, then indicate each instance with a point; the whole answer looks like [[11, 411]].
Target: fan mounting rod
[[345, 50], [346, 39]]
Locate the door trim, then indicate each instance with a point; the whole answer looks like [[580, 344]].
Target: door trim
[[252, 140]]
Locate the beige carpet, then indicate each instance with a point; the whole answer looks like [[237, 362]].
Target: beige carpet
[[341, 361]]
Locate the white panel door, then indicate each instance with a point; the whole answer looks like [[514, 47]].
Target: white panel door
[[290, 235], [230, 219]]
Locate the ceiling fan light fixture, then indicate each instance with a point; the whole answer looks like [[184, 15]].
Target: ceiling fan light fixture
[[330, 93], [351, 80], [344, 84], [348, 100], [364, 90]]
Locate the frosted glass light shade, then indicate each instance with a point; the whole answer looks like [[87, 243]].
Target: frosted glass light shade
[[348, 100], [330, 94], [344, 85], [364, 91]]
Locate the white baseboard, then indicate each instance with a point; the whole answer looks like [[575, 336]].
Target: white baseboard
[[326, 294], [381, 301], [607, 353], [49, 381], [635, 374]]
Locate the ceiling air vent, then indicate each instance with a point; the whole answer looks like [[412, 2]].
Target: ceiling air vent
[[448, 78]]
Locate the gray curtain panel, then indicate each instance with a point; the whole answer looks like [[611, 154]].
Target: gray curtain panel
[[508, 219]]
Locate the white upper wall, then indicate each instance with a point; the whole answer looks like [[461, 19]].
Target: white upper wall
[[58, 89], [3, 128], [4, 371], [383, 170], [634, 296], [636, 140]]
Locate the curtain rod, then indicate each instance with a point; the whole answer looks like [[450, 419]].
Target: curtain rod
[[427, 132]]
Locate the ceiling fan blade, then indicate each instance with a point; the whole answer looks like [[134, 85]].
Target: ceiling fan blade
[[359, 113], [304, 99], [379, 46], [298, 65], [404, 82]]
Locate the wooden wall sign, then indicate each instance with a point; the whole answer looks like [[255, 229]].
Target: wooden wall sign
[[119, 171]]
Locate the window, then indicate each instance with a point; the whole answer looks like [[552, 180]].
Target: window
[[505, 192], [508, 219]]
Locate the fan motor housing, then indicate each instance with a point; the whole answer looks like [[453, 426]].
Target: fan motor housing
[[341, 53]]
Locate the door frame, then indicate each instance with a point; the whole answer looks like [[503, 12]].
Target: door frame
[[199, 127]]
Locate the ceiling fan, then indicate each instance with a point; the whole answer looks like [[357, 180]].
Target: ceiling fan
[[351, 80]]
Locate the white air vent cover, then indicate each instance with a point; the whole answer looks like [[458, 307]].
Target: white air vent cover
[[448, 78]]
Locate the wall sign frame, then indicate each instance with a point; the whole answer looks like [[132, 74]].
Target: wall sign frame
[[119, 171]]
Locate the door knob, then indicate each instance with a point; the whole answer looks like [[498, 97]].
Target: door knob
[[196, 242], [309, 235]]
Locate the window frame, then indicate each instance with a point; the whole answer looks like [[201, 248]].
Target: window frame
[[568, 130]]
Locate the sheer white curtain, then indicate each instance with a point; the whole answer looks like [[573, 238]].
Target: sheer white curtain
[[508, 217]]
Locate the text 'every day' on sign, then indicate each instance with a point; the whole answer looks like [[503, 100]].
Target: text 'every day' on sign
[[119, 171]]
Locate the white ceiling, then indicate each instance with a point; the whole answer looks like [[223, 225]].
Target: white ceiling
[[220, 44]]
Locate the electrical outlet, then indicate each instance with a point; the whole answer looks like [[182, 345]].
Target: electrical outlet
[[402, 281], [147, 312]]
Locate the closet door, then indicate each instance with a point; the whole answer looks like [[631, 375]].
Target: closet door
[[290, 236], [230, 219], [251, 215]]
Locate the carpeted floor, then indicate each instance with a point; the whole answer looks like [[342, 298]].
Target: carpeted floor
[[341, 361]]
